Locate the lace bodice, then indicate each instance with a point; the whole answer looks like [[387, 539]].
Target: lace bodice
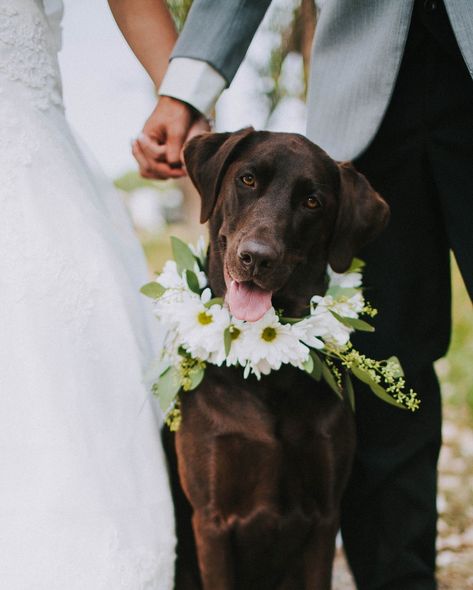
[[29, 42]]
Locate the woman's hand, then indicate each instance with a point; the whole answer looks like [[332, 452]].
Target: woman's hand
[[159, 148]]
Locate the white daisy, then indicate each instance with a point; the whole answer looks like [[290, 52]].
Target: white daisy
[[201, 328], [349, 307], [171, 279], [347, 280], [269, 344], [238, 354], [309, 331], [199, 250], [328, 327]]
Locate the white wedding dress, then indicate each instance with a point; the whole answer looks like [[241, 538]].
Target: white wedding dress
[[84, 498]]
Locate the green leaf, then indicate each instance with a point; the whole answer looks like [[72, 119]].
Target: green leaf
[[356, 265], [350, 391], [375, 387], [338, 291], [214, 301], [183, 256], [168, 387], [181, 351], [354, 323], [317, 368], [284, 320], [227, 340], [193, 281], [309, 365], [330, 380], [153, 290], [196, 377], [360, 325], [397, 369]]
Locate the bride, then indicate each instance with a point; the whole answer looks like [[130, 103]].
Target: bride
[[84, 498]]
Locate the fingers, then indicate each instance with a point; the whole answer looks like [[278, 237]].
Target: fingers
[[151, 149], [151, 168], [140, 158], [158, 149]]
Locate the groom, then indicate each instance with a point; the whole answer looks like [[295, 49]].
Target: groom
[[391, 88]]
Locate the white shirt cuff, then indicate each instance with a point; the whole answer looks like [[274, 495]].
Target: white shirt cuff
[[193, 81]]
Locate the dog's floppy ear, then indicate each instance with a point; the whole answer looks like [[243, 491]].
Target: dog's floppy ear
[[362, 214], [207, 157]]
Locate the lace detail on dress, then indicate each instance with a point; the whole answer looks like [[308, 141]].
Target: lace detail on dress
[[18, 144], [28, 52]]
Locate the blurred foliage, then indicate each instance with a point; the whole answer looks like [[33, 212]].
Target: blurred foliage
[[292, 23], [132, 180], [179, 10], [456, 369]]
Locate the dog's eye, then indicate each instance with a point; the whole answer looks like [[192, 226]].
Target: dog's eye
[[313, 202], [248, 179]]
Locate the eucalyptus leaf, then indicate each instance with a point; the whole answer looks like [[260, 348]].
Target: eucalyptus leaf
[[375, 387], [153, 290], [183, 256], [183, 352], [214, 301], [336, 291], [168, 387], [354, 323], [284, 320], [356, 265], [330, 380], [193, 281], [196, 377], [308, 365], [397, 369], [350, 391], [227, 340], [361, 325], [317, 368]]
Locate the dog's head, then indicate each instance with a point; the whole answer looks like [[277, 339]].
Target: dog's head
[[279, 208]]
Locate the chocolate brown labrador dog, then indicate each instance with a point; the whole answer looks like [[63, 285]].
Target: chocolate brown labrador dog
[[263, 464]]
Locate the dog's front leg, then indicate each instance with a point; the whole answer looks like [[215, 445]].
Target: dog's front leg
[[212, 536]]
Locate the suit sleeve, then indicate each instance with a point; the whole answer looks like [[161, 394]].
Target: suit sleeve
[[219, 32]]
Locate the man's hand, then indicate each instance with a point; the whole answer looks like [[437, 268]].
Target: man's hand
[[158, 149]]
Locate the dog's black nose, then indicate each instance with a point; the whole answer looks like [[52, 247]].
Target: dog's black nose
[[257, 256]]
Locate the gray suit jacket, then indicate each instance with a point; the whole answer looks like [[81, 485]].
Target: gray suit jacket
[[356, 57]]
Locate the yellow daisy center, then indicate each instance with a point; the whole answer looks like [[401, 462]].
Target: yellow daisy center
[[268, 334], [204, 318], [234, 332]]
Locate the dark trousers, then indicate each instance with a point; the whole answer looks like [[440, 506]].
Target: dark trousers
[[421, 162]]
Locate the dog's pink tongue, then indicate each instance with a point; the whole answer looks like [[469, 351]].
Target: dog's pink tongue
[[248, 302]]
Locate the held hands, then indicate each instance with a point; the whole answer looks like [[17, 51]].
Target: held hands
[[158, 148]]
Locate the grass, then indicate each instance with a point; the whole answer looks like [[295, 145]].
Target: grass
[[456, 369]]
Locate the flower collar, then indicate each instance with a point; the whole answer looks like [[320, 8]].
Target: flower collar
[[200, 330]]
